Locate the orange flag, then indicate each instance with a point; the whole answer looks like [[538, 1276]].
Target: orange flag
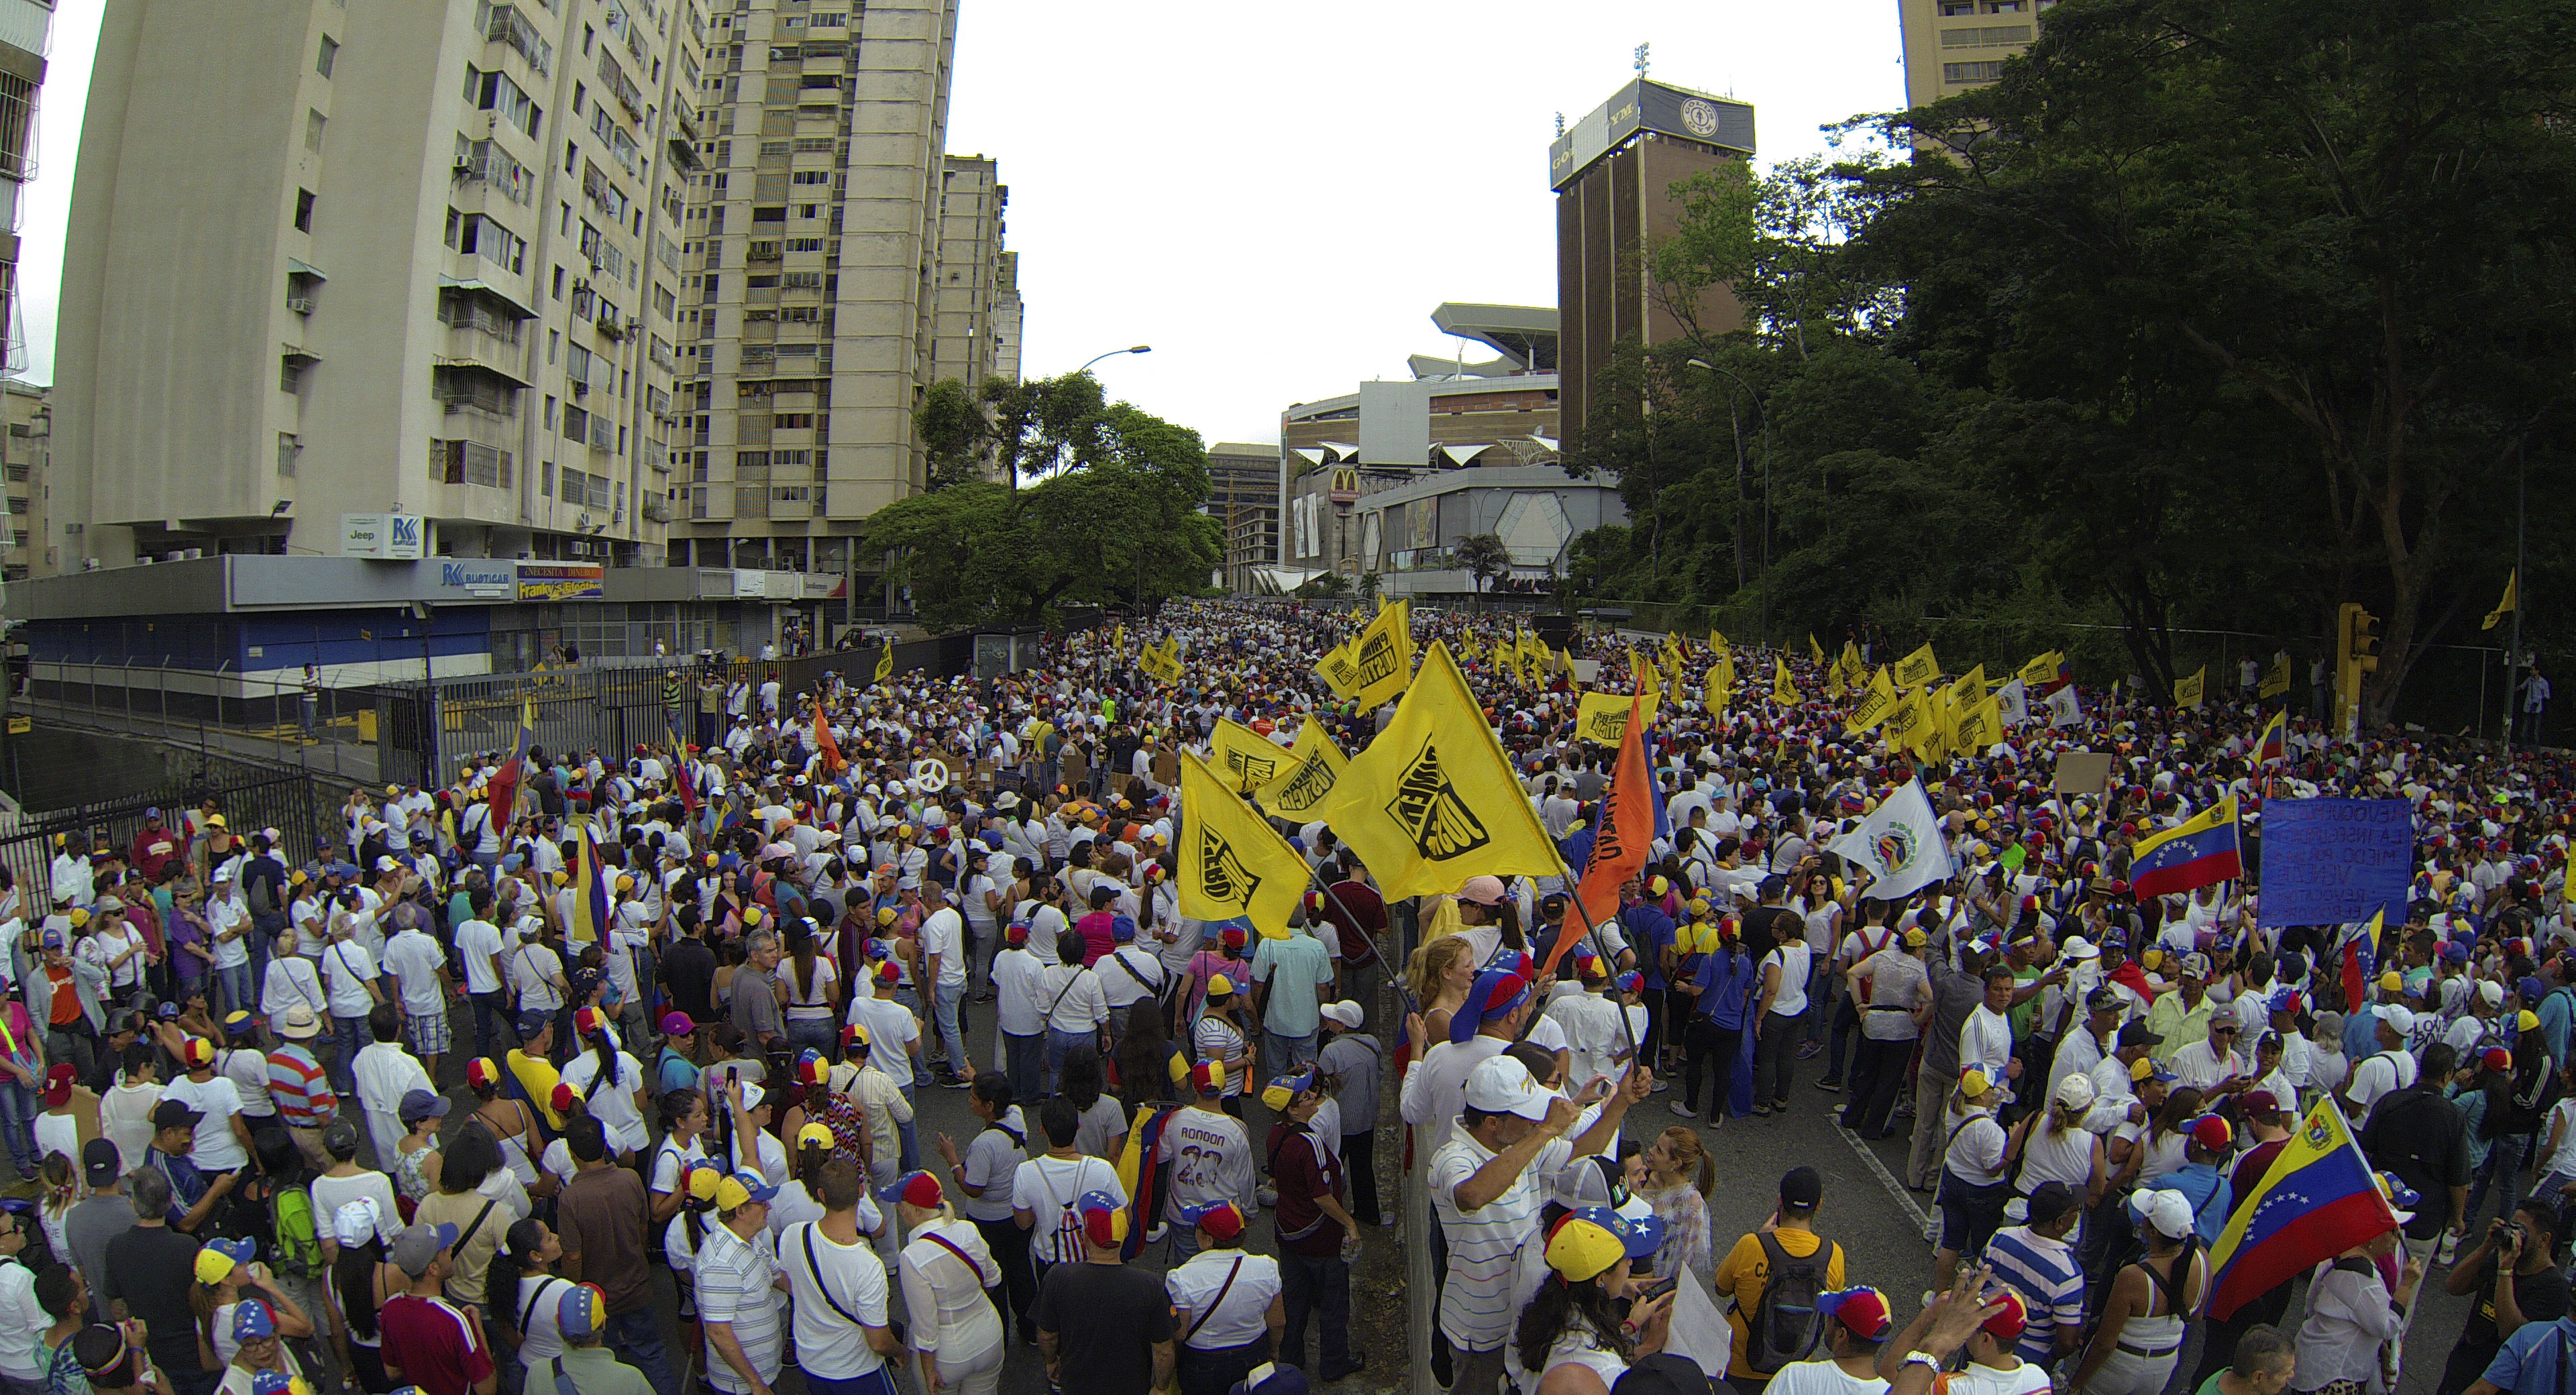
[[832, 762], [1619, 849]]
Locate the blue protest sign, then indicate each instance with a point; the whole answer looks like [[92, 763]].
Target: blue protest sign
[[2335, 861]]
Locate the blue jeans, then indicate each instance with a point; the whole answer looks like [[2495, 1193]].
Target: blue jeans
[[1057, 1044], [637, 1339], [911, 1139], [18, 1116], [2503, 1172], [240, 994], [1282, 1055], [1023, 1065], [877, 1382], [817, 1033], [492, 1024], [352, 1035], [1321, 1286], [947, 996]]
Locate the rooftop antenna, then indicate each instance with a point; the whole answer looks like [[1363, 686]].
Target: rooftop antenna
[[1642, 59]]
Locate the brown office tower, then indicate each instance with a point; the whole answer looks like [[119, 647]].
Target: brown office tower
[[1613, 172]]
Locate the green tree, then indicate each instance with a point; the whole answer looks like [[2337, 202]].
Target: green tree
[[1329, 586], [1484, 557], [1112, 519], [2332, 232], [954, 432]]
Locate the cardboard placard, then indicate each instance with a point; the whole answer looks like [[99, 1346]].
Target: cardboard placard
[[2083, 772]]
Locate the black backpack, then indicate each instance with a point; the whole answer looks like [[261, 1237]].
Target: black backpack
[[1785, 1324]]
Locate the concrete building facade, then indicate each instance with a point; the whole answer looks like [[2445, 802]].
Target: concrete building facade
[[35, 547], [1243, 497], [1409, 533], [812, 259], [1613, 172], [427, 263], [1954, 45], [26, 36], [1454, 415], [969, 341]]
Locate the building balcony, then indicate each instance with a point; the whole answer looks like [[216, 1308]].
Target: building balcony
[[620, 86], [510, 25]]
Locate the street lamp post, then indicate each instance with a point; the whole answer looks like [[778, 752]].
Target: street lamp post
[[1113, 353], [1738, 380]]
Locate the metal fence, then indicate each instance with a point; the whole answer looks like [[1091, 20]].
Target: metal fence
[[259, 716], [284, 801]]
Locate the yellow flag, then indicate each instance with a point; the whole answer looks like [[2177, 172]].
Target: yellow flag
[[1246, 758], [1432, 801], [1783, 691], [1979, 726], [1118, 641], [1877, 704], [2187, 690], [1971, 687], [2503, 607], [1315, 765], [1849, 662], [1505, 660], [1834, 680], [1814, 648], [1233, 863], [1602, 718], [2040, 672], [2276, 679], [1716, 640], [1906, 721], [1339, 671], [1382, 656], [1917, 668], [1721, 685], [885, 661]]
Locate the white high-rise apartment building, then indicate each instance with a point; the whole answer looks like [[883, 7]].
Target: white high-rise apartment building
[[421, 257], [811, 255], [977, 335]]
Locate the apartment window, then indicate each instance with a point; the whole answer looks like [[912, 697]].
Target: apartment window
[[572, 152], [1988, 36], [1950, 8], [550, 412], [809, 210], [830, 21], [576, 423], [558, 286], [813, 145], [1971, 72], [290, 374], [804, 244], [554, 341], [496, 93], [304, 210], [665, 304], [330, 54], [314, 121], [813, 177], [287, 447]]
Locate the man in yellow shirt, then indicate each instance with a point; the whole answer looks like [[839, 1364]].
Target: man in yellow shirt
[[528, 1063], [1746, 1271]]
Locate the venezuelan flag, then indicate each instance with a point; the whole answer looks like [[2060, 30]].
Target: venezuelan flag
[[2317, 1200], [2270, 748], [2200, 852]]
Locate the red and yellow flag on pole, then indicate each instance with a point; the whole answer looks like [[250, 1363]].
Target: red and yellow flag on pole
[[1620, 847], [831, 749]]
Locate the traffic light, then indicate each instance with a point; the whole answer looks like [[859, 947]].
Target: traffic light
[[2365, 641]]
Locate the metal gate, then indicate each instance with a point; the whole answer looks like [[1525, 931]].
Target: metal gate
[[283, 801]]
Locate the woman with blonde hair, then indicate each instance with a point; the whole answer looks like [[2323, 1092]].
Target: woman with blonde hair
[[944, 1271], [1439, 975], [1680, 1175]]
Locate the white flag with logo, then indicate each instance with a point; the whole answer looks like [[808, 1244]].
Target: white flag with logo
[[2012, 703], [2063, 709], [1899, 843]]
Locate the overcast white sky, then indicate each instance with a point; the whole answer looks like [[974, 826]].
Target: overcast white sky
[[1274, 197]]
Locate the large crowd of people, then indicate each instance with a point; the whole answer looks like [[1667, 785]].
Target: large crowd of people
[[690, 997]]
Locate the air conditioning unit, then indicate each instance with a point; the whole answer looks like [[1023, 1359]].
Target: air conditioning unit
[[300, 304]]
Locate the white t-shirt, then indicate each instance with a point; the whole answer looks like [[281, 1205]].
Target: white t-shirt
[[1241, 1316], [1046, 1187], [943, 933], [1822, 1378], [1793, 959], [891, 1030], [214, 1148], [346, 968], [832, 1284], [2383, 1074], [478, 943], [414, 958], [613, 1102]]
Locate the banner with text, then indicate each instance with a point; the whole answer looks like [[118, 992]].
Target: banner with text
[[2335, 861]]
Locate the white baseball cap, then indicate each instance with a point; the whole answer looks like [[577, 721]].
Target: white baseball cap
[[1345, 1014], [1501, 1085], [2403, 1019], [2168, 1211]]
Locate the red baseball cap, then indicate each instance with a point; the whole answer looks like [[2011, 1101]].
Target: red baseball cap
[[2006, 1325]]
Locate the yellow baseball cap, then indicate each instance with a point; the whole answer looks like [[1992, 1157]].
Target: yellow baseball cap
[[1581, 1249], [2526, 1020], [1973, 1082], [2392, 982], [815, 1133]]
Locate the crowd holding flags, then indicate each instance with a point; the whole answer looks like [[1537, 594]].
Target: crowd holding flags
[[2200, 852]]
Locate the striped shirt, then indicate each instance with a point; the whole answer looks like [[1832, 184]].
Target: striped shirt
[[2044, 1272], [301, 1088], [734, 1279], [1476, 1311]]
